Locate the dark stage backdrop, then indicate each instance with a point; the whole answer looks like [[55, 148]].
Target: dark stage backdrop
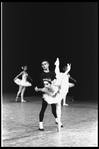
[[36, 31]]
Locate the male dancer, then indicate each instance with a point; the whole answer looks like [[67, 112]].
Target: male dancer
[[46, 76]]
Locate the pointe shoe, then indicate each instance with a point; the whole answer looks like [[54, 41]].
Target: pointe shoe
[[23, 101], [41, 129], [16, 99], [65, 104], [57, 124], [59, 128]]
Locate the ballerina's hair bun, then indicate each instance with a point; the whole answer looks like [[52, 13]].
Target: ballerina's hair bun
[[23, 67]]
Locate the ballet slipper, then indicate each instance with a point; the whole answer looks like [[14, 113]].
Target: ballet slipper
[[59, 127], [41, 129], [23, 101], [57, 124], [16, 99], [65, 104]]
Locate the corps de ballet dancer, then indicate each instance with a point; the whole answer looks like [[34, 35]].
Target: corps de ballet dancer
[[22, 83], [65, 84], [52, 91]]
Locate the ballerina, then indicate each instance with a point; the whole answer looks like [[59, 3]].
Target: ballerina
[[65, 84], [23, 83], [52, 91]]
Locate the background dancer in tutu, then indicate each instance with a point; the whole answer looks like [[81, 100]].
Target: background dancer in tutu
[[46, 77], [23, 83], [65, 84]]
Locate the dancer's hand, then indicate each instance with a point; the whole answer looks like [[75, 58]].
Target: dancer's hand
[[68, 67], [68, 75], [15, 78], [36, 89]]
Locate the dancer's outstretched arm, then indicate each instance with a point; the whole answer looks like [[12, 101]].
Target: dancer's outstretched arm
[[50, 91], [18, 75], [73, 79], [66, 72], [30, 78], [40, 89]]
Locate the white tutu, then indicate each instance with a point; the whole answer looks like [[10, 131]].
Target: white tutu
[[52, 100], [59, 95], [22, 82]]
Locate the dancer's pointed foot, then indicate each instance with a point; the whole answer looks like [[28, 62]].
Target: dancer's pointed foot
[[59, 128], [41, 129], [57, 124], [16, 99], [23, 101], [65, 104]]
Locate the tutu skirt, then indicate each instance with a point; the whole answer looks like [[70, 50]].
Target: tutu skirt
[[59, 96], [52, 100], [65, 88], [22, 82]]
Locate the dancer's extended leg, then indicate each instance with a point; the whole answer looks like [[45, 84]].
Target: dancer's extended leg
[[58, 111], [22, 94], [64, 101], [19, 91], [53, 106]]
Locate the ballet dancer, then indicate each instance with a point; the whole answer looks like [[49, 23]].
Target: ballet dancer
[[46, 77], [66, 84], [23, 83], [52, 92]]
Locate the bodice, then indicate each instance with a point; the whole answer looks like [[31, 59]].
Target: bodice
[[24, 76]]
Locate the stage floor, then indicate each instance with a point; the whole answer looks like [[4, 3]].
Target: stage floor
[[20, 124]]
